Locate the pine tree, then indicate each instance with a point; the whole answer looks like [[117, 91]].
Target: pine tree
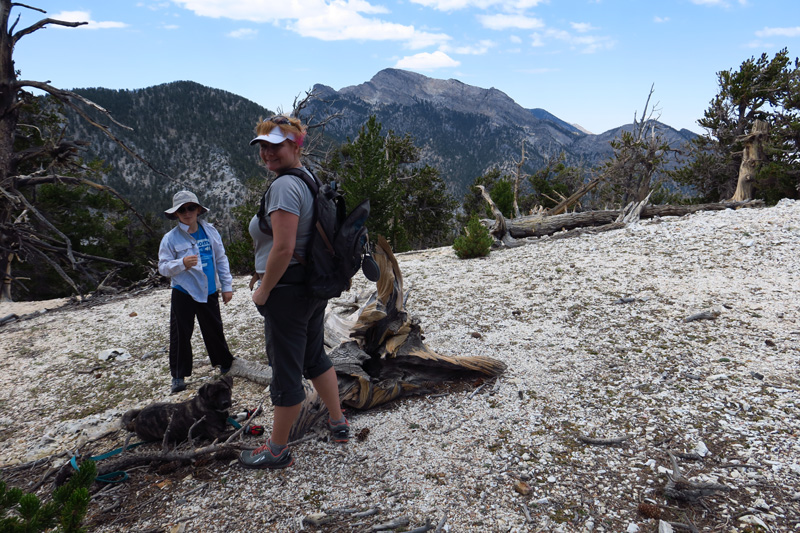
[[25, 513], [761, 89], [476, 241], [409, 204]]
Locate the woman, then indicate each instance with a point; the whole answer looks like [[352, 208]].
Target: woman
[[293, 320], [192, 255]]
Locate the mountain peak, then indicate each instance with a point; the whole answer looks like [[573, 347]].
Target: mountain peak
[[396, 86]]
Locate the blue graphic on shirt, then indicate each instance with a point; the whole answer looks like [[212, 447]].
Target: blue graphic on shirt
[[206, 258]]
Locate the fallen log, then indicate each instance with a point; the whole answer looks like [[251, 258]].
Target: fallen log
[[539, 225]]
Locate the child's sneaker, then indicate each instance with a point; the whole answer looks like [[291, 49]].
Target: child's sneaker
[[340, 431], [262, 457], [178, 385]]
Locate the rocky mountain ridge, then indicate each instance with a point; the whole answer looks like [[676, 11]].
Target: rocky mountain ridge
[[197, 136], [450, 117]]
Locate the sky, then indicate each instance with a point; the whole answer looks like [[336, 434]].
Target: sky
[[588, 62]]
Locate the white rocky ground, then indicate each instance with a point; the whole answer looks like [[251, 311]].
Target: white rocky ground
[[594, 333]]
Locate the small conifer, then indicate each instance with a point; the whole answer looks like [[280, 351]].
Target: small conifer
[[476, 241], [21, 512]]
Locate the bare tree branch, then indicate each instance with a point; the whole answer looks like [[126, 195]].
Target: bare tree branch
[[57, 268], [41, 24], [47, 223], [30, 181]]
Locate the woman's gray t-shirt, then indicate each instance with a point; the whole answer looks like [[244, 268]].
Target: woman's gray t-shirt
[[291, 194]]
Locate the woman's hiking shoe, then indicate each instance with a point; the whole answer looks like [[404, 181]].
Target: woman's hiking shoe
[[262, 457], [340, 431], [178, 385]]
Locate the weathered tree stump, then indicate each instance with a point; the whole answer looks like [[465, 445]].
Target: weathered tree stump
[[752, 157]]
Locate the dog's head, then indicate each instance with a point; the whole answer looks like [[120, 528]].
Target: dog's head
[[217, 395]]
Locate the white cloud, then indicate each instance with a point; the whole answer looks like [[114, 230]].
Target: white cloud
[[154, 7], [244, 33], [587, 44], [779, 32], [454, 5], [591, 44], [481, 48], [515, 39], [427, 61], [721, 3], [660, 20], [504, 22], [581, 27], [327, 20], [85, 16], [537, 70]]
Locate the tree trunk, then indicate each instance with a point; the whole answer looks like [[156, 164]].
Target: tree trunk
[[9, 113], [539, 226], [517, 179], [751, 159]]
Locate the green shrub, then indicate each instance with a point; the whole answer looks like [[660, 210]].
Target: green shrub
[[476, 241], [20, 512]]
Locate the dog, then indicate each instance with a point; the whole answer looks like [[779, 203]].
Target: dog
[[175, 419]]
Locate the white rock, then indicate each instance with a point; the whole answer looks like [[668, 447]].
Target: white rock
[[761, 504], [701, 449], [119, 354], [664, 527], [753, 521]]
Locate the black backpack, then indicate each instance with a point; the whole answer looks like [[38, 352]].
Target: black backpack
[[339, 247]]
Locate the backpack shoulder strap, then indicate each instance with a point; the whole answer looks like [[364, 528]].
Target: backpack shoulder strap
[[312, 181], [314, 184]]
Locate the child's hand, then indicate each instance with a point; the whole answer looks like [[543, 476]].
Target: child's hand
[[189, 261], [226, 296]]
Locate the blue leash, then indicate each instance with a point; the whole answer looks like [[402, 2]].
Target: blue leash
[[120, 475], [112, 477]]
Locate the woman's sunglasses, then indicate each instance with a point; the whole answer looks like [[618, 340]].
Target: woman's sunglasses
[[187, 207], [279, 119]]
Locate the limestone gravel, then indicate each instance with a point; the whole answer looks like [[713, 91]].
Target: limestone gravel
[[594, 332]]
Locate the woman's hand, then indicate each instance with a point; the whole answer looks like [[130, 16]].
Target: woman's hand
[[261, 295], [254, 279]]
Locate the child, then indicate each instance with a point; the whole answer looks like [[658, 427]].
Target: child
[[192, 255]]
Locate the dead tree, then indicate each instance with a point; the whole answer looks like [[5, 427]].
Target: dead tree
[[517, 179], [638, 155], [566, 203], [25, 231], [539, 225], [752, 157], [499, 230]]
